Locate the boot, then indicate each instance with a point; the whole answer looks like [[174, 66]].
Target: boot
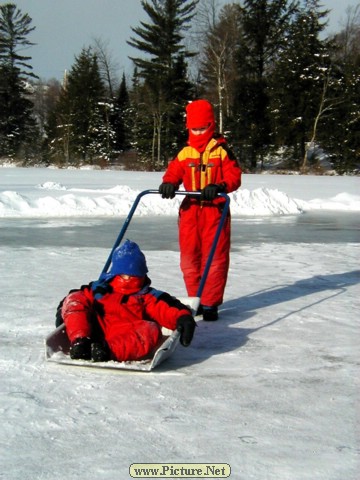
[[100, 352], [80, 349], [210, 314]]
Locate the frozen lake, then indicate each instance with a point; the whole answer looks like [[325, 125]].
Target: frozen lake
[[160, 233], [272, 389]]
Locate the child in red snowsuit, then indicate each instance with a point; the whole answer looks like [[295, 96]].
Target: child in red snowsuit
[[205, 165], [119, 317]]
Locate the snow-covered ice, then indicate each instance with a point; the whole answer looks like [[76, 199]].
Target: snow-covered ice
[[272, 388]]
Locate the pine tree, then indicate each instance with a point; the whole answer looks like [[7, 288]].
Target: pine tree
[[264, 27], [301, 83], [141, 122], [121, 118], [17, 125], [163, 73], [83, 131]]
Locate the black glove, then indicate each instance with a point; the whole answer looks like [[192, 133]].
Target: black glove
[[186, 326], [210, 191], [167, 190]]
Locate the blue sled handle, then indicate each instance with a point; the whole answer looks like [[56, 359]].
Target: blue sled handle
[[214, 244]]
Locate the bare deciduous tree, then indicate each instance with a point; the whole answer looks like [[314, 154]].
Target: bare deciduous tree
[[349, 38], [326, 104], [108, 67], [220, 31]]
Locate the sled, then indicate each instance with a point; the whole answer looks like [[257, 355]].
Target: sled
[[57, 344], [57, 347]]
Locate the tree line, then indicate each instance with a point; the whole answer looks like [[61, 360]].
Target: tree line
[[281, 88]]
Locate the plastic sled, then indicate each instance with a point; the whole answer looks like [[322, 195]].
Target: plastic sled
[[57, 344]]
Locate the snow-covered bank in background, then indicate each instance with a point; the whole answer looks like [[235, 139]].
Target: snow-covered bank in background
[[272, 388], [57, 193]]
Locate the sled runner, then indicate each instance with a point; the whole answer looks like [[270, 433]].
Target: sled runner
[[57, 344]]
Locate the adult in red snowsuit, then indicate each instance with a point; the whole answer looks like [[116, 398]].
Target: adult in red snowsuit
[[207, 165], [129, 312]]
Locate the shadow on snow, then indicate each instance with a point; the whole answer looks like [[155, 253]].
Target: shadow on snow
[[215, 338]]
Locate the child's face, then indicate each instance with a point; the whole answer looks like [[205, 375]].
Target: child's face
[[199, 130], [128, 283], [126, 277]]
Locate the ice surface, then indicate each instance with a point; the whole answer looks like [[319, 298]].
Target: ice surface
[[272, 388]]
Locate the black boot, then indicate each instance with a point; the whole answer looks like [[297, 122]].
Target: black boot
[[80, 349], [210, 314], [100, 352], [199, 311]]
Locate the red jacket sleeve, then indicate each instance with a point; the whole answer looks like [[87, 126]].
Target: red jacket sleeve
[[231, 172], [164, 309], [76, 312], [174, 173]]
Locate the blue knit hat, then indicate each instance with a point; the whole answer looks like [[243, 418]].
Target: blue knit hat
[[128, 259]]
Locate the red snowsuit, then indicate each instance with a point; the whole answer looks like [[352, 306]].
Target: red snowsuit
[[198, 220], [131, 323]]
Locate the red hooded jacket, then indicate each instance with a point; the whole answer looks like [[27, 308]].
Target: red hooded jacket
[[131, 323]]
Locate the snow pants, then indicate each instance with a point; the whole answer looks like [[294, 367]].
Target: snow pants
[[197, 228]]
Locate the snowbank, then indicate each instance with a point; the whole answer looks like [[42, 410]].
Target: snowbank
[[109, 193]]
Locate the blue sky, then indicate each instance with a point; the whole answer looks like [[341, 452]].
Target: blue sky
[[64, 27]]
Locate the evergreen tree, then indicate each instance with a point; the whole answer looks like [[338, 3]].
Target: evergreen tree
[[264, 28], [181, 90], [301, 83], [141, 122], [121, 118], [165, 87], [17, 125], [82, 130]]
